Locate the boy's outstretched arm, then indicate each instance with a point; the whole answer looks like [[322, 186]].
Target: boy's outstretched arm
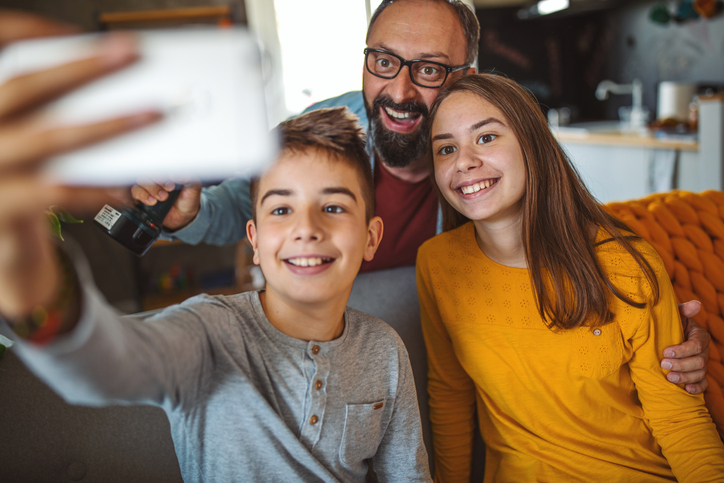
[[31, 273], [687, 361]]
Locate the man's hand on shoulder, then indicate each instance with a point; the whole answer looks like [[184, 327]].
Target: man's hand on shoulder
[[687, 361]]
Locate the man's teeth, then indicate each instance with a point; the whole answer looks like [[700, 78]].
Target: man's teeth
[[397, 114], [308, 262], [474, 188]]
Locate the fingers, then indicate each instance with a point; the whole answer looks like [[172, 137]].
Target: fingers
[[17, 25], [690, 370], [26, 196], [697, 388], [690, 308], [23, 148], [150, 192], [32, 90]]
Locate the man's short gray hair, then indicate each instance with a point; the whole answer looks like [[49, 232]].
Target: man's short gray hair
[[468, 22]]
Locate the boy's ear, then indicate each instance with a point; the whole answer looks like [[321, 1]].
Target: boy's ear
[[374, 237], [251, 235]]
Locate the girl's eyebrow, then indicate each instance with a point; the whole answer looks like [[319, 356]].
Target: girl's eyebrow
[[477, 125], [482, 123]]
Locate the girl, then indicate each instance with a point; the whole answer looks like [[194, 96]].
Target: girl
[[545, 313]]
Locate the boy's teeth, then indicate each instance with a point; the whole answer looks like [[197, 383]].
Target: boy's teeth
[[307, 262], [397, 115], [474, 188]]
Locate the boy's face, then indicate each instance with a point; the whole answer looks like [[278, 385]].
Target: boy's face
[[310, 234]]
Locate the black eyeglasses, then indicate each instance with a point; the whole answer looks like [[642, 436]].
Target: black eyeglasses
[[424, 73]]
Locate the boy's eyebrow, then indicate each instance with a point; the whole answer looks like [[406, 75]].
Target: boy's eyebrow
[[275, 192], [475, 126], [339, 190]]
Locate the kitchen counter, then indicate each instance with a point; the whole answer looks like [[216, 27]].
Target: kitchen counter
[[609, 135]]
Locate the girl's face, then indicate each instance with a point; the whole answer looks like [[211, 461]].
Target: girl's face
[[479, 165]]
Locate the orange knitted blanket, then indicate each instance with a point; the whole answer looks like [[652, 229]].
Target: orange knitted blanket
[[688, 232]]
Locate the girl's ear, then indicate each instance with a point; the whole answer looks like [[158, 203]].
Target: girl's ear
[[251, 235], [374, 237]]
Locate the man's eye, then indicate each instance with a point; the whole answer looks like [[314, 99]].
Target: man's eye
[[445, 150], [429, 70], [486, 138], [384, 62], [281, 211], [333, 209]]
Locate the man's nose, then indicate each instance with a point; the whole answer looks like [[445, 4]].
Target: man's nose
[[401, 88]]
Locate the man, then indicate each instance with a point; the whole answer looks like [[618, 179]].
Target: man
[[394, 102]]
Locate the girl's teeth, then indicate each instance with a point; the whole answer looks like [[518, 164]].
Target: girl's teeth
[[474, 188]]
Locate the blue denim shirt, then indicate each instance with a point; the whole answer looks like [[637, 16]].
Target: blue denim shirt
[[226, 208]]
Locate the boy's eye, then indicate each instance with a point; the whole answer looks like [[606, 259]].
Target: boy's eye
[[486, 138], [281, 211], [445, 150], [333, 209]]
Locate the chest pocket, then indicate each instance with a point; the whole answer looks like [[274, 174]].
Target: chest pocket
[[597, 351], [364, 427]]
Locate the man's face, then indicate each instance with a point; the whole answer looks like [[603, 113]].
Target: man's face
[[310, 234], [397, 108]]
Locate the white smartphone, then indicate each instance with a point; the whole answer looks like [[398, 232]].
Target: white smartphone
[[209, 84]]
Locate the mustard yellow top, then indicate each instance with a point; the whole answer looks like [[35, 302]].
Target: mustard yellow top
[[578, 405]]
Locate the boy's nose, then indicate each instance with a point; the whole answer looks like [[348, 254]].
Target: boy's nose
[[307, 227]]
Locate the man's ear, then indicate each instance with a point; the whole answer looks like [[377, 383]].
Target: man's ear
[[374, 237], [251, 235], [471, 71]]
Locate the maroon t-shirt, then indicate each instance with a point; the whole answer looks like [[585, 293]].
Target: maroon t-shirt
[[409, 212]]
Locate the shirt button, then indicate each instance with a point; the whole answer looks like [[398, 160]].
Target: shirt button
[[597, 332], [315, 349], [313, 420], [318, 385]]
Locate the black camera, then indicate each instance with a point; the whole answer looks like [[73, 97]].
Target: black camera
[[136, 228]]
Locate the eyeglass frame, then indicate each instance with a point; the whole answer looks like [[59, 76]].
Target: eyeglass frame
[[449, 69]]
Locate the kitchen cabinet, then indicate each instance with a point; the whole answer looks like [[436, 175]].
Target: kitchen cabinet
[[619, 165]]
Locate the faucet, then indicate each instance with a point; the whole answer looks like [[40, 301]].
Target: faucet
[[639, 114]]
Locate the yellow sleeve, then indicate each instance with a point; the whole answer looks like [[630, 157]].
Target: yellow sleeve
[[451, 391], [679, 421]]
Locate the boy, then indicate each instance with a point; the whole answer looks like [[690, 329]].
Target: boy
[[285, 384]]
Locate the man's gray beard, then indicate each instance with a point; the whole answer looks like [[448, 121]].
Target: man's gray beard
[[396, 149]]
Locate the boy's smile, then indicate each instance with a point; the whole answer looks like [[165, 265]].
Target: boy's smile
[[310, 234]]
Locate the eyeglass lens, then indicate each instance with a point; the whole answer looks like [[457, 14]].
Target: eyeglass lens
[[388, 66]]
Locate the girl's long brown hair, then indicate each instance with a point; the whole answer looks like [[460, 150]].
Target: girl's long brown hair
[[570, 286]]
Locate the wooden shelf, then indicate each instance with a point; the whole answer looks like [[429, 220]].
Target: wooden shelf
[[222, 15]]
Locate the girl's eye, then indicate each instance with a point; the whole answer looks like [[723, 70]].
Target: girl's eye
[[333, 209], [281, 211], [486, 138], [445, 150]]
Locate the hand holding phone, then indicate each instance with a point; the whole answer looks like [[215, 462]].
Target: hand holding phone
[[207, 82]]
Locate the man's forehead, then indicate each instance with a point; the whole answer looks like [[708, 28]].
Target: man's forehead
[[419, 29]]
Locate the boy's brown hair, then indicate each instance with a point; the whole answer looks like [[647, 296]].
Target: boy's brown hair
[[334, 131]]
